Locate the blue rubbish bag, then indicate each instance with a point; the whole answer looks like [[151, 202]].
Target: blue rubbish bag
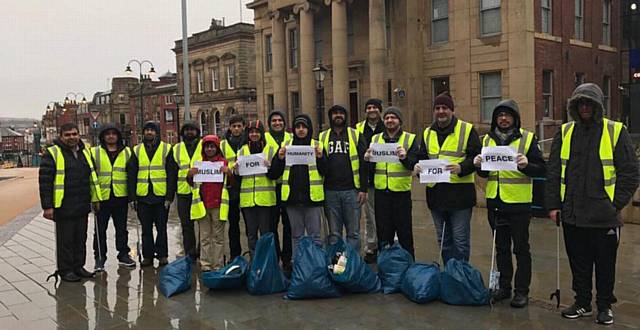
[[265, 275], [232, 276], [175, 277], [310, 277], [421, 283], [357, 276], [393, 261], [461, 284]]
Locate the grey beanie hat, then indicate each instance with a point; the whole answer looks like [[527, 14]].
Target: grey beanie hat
[[394, 111]]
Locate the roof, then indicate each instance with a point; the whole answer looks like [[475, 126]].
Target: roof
[[5, 131]]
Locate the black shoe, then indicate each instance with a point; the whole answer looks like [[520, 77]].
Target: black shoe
[[574, 311], [99, 266], [501, 294], [287, 267], [70, 277], [162, 261], [146, 262], [520, 300], [605, 316], [126, 261], [83, 273], [371, 257]]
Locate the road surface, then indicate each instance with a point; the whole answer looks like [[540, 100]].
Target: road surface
[[17, 193]]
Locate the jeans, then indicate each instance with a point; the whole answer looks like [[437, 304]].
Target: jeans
[[305, 218], [343, 210], [457, 236], [150, 214], [117, 211], [370, 234]]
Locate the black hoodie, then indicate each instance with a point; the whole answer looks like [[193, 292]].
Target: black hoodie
[[535, 168], [191, 145], [112, 155]]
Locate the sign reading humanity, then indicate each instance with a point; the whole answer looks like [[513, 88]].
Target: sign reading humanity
[[300, 155], [251, 165], [209, 172], [501, 158], [384, 153]]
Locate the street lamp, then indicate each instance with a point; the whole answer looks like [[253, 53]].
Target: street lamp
[[129, 72], [320, 72]]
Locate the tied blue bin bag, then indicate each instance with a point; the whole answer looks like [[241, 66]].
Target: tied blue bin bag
[[175, 277], [393, 261], [461, 284], [265, 275], [310, 277], [421, 283], [357, 276], [232, 276]]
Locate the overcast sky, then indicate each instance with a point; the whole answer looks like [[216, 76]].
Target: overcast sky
[[50, 48]]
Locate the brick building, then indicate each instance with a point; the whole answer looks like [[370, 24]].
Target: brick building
[[158, 105], [12, 141]]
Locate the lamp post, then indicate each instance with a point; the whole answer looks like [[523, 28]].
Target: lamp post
[[320, 72], [128, 70], [52, 111]]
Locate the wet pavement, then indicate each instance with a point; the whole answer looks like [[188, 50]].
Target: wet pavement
[[121, 298]]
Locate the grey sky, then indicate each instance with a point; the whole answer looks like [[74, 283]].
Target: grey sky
[[51, 48]]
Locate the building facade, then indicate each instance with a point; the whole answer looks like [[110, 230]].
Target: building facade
[[222, 73], [405, 52], [158, 100]]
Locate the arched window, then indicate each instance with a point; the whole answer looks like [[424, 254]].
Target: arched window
[[217, 124], [203, 123]]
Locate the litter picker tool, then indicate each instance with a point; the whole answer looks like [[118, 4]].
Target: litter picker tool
[[556, 294], [55, 274]]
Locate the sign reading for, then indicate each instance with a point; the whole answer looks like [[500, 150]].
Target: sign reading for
[[251, 164], [384, 153], [300, 155], [433, 171], [501, 158], [208, 172]]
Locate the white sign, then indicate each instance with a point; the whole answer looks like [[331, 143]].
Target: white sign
[[300, 155], [433, 171], [251, 164], [384, 153], [209, 172], [501, 158]]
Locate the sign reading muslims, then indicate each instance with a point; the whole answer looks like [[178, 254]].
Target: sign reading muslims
[[251, 164], [433, 171], [384, 153], [300, 155], [209, 172], [500, 158]]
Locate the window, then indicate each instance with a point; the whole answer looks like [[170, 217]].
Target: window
[[231, 76], [203, 123], [215, 79], [168, 116], [439, 21], [270, 103], [295, 102], [387, 22], [490, 93], [578, 27], [547, 93], [389, 92], [317, 37], [579, 79], [200, 81], [546, 17], [606, 90], [268, 61], [293, 48], [489, 17], [606, 22], [350, 33], [439, 85], [123, 119], [217, 123]]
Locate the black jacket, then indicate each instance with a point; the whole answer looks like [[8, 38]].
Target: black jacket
[[412, 154], [368, 133], [77, 182], [586, 203], [450, 196], [339, 175], [113, 200], [535, 167], [132, 176], [233, 186]]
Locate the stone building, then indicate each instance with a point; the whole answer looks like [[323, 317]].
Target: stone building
[[222, 73], [407, 51]]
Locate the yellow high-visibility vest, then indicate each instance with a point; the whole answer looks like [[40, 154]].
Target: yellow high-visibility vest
[[257, 189], [316, 181], [360, 126], [354, 138], [181, 157], [453, 149], [514, 186], [111, 176], [152, 170], [198, 211], [272, 142], [393, 176], [58, 182]]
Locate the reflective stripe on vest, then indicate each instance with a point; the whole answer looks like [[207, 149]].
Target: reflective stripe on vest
[[152, 171], [111, 176], [316, 181], [354, 137], [228, 153], [514, 186], [58, 181], [258, 189], [453, 149], [393, 176], [181, 157], [608, 141]]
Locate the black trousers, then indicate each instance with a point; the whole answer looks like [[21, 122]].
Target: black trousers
[[235, 248], [256, 219], [149, 215], [188, 230], [393, 217], [284, 252], [587, 247], [512, 229], [71, 242], [117, 211]]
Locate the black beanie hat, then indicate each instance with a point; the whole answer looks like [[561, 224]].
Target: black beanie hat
[[337, 108], [444, 99], [375, 102]]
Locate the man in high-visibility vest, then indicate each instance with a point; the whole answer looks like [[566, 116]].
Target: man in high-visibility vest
[[233, 140], [592, 174], [451, 204], [110, 158], [509, 196], [68, 186], [392, 182], [276, 135], [183, 152], [151, 191], [369, 127]]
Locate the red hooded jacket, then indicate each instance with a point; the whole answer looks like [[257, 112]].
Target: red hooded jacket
[[211, 192]]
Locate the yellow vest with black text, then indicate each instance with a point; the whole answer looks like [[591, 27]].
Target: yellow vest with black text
[[181, 157], [316, 181], [514, 186], [198, 211], [354, 138], [152, 171], [111, 176], [608, 141], [393, 176], [257, 189], [453, 149], [58, 181]]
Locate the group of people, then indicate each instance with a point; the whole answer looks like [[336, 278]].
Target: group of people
[[592, 173]]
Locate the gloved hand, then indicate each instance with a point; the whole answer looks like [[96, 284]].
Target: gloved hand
[[522, 161]]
